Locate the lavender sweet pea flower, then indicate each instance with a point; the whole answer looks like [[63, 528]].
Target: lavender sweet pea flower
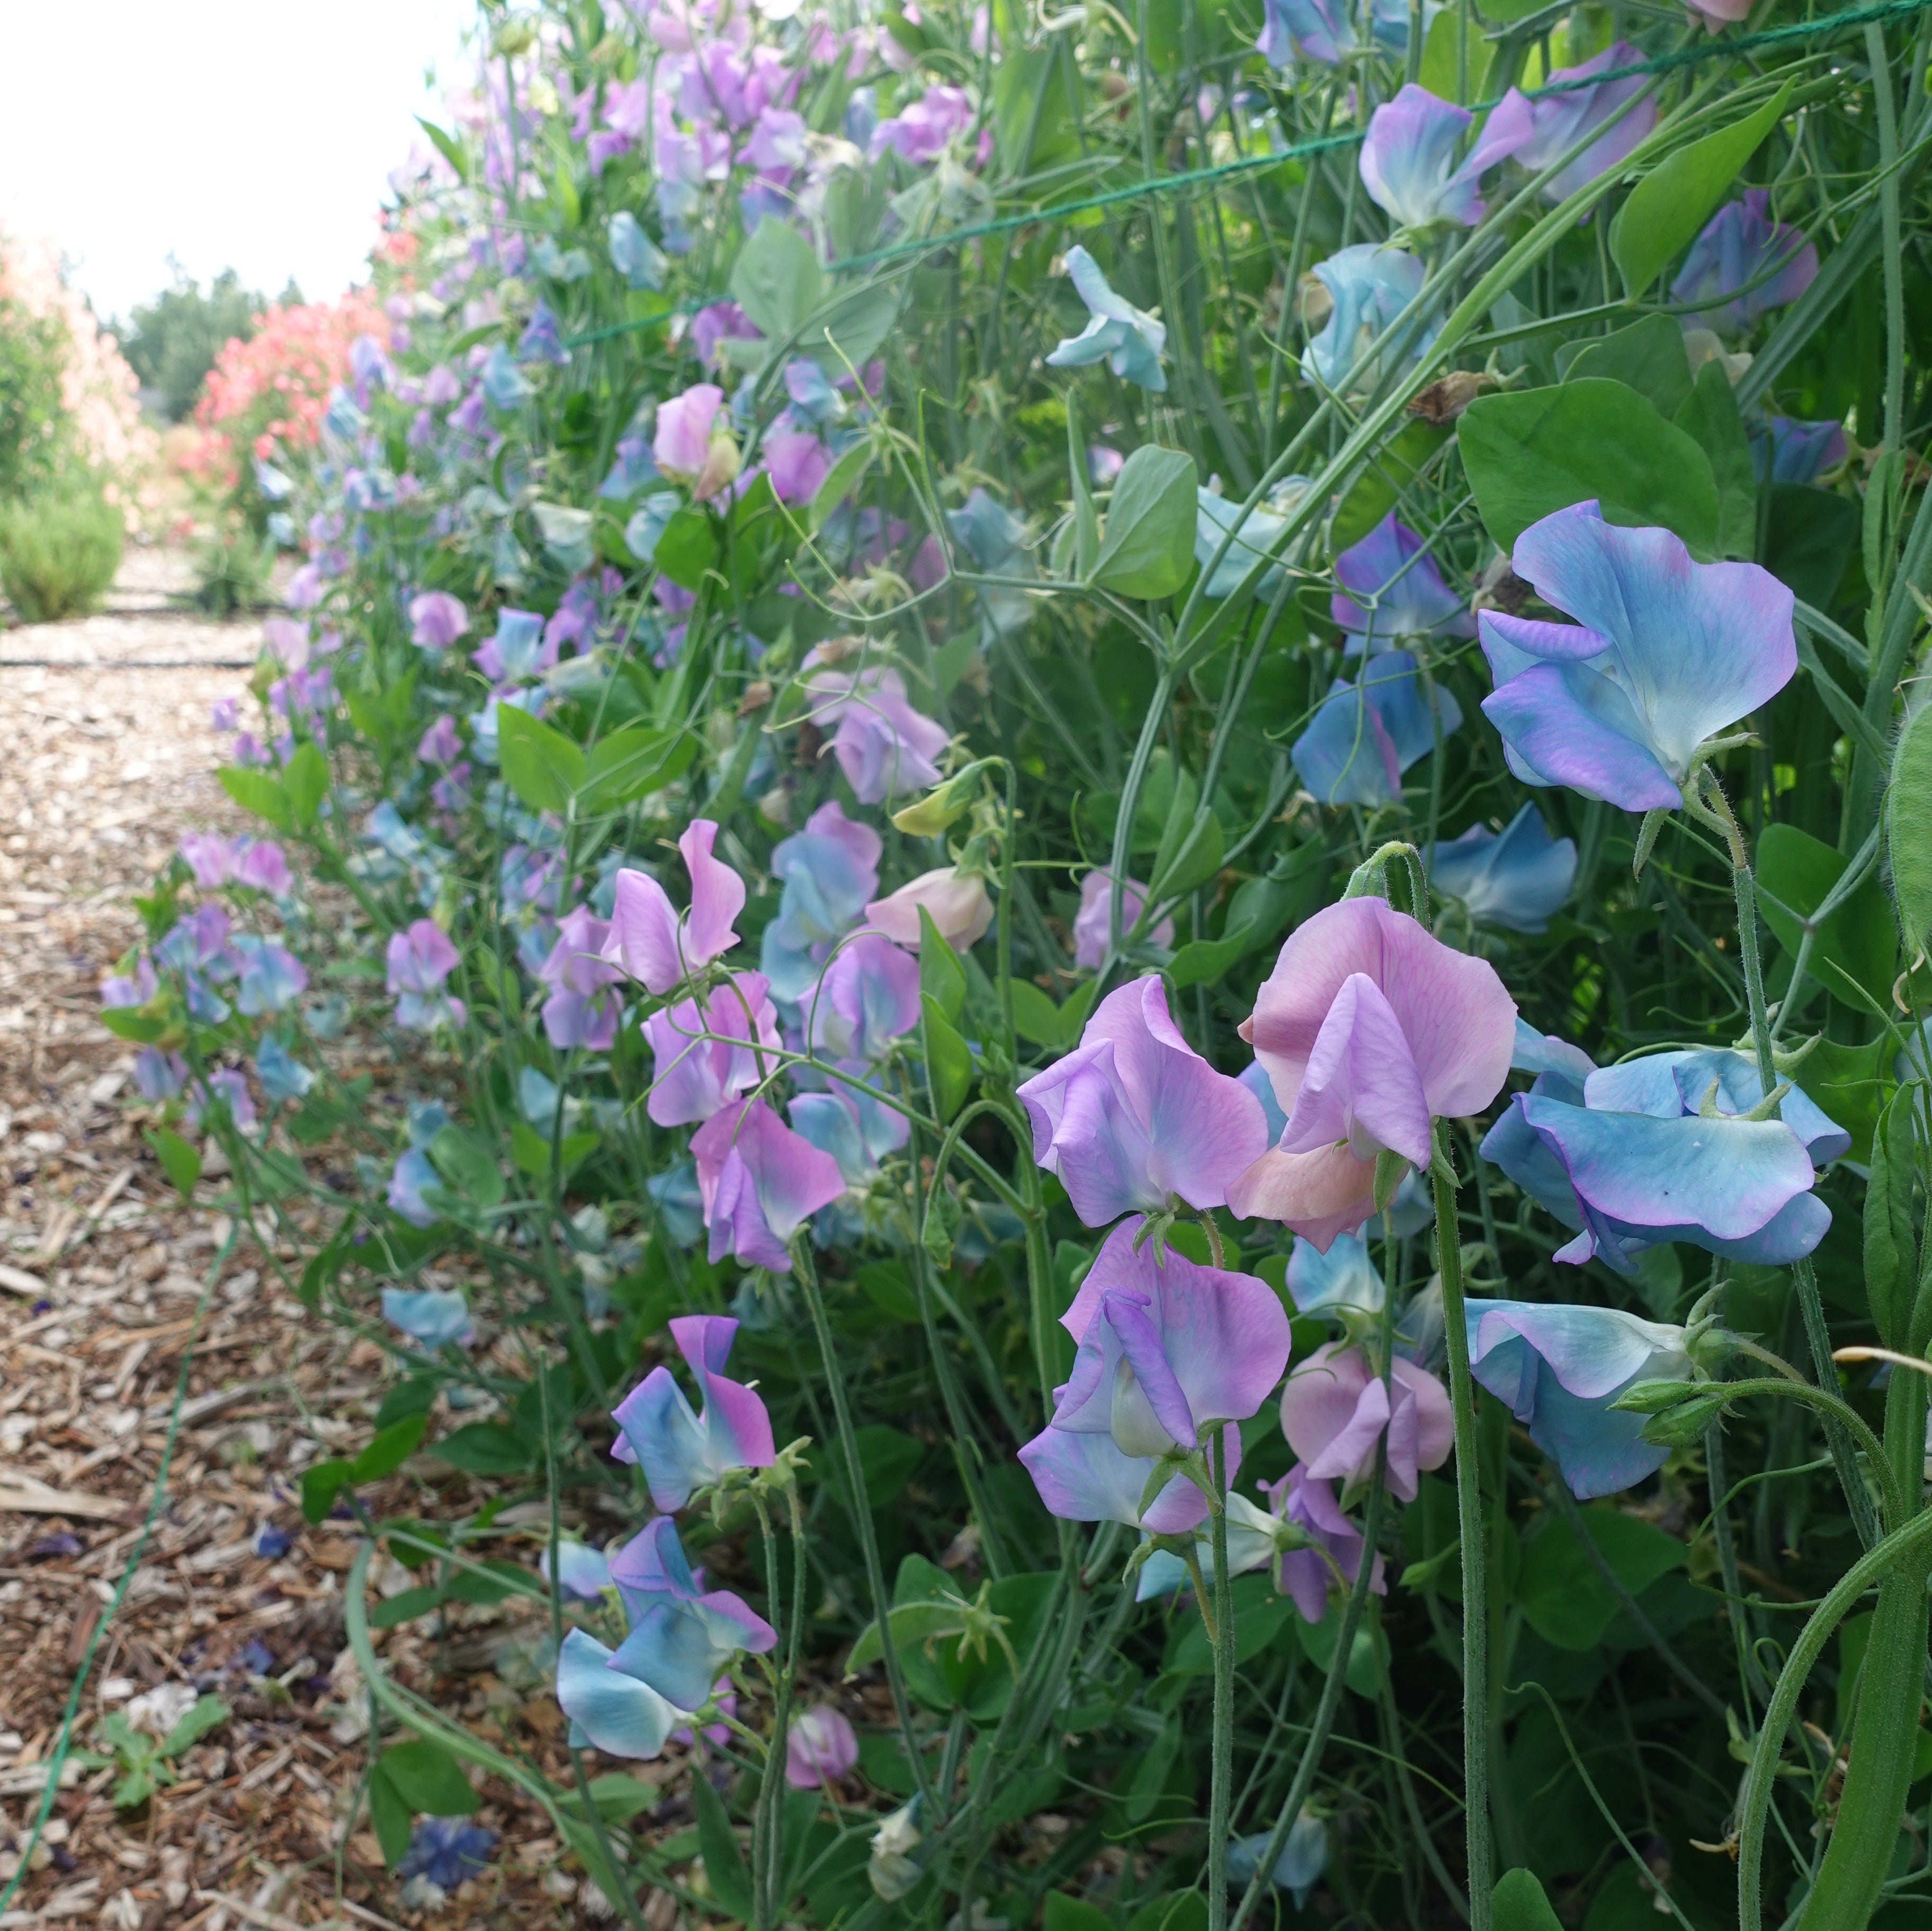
[[1367, 733], [1654, 1150], [1133, 1118], [1665, 653], [1398, 594], [1558, 122], [920, 132], [263, 866], [827, 872], [439, 744], [1168, 1353], [868, 997], [582, 1572], [1131, 342], [210, 857], [1090, 922], [1335, 1409], [609, 1711], [1303, 1576], [419, 960], [679, 1450], [883, 746], [412, 1173], [228, 1088], [760, 1183], [1515, 878], [797, 462], [650, 941], [1559, 1368], [581, 1011], [516, 651], [821, 1747], [681, 1636], [434, 1316], [1370, 285], [1317, 30], [1787, 452], [270, 976], [1740, 243], [1408, 164], [123, 989], [159, 1075], [692, 1074], [1369, 1027]]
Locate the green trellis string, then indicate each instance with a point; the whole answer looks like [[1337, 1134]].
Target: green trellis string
[[1192, 177]]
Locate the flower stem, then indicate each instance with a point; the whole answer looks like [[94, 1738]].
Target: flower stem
[[1222, 1757], [1469, 1527]]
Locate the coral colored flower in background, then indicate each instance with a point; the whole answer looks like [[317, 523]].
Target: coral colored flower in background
[[1369, 1028], [680, 1449], [1664, 653]]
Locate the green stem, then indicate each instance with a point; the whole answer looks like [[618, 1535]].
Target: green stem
[[1222, 1754], [1469, 1531]]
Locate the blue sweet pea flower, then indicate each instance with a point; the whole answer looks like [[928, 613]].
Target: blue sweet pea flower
[[682, 1637], [1408, 161], [1304, 1856], [1129, 341], [582, 1572], [608, 1709], [505, 384], [1317, 30], [1256, 535], [540, 342], [1515, 878], [829, 872], [518, 642], [648, 523], [1370, 285], [632, 466], [446, 1850], [431, 1315], [679, 1203], [679, 1450], [283, 1076], [1788, 451], [1343, 1279], [993, 538], [633, 254], [1365, 734], [1559, 1368], [269, 976], [1392, 591], [1665, 653]]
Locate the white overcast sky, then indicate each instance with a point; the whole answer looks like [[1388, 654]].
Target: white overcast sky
[[256, 134]]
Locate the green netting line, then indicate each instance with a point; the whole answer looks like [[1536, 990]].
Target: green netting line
[[64, 1741], [1193, 178]]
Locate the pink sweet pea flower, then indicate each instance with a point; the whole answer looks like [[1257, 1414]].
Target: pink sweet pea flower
[[883, 746], [694, 1075], [439, 744], [821, 1747], [957, 902], [759, 1182], [650, 942], [265, 867], [683, 440], [920, 134], [436, 619], [1090, 923], [581, 1010], [1134, 1119], [1309, 1502], [797, 463], [679, 1450], [419, 960], [1336, 1408], [1368, 1028], [211, 858]]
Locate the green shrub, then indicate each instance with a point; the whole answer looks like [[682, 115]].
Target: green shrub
[[231, 572], [32, 348], [59, 550]]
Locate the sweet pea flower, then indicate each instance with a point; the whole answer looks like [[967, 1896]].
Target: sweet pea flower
[[650, 941], [1665, 653], [920, 132], [269, 976], [283, 1076], [760, 1183], [797, 463], [1090, 922], [1317, 30], [867, 997], [516, 650], [262, 865], [1335, 1409], [439, 744], [413, 1172], [582, 1574], [419, 960], [610, 1710], [158, 1075], [1369, 1028], [705, 1051], [1133, 1118], [1558, 122], [1304, 1856], [884, 746], [445, 1851], [1168, 1353], [956, 901], [581, 1010], [228, 1088], [1370, 285], [1787, 452], [683, 1636], [1515, 878], [633, 254], [434, 1316], [994, 539], [1342, 1280], [1398, 592], [1131, 342], [720, 322], [1368, 731], [1250, 536], [1558, 1368], [1740, 244], [827, 871], [210, 857], [858, 1131], [122, 989], [1662, 1149], [679, 1450], [1310, 1503], [1408, 164], [694, 444], [821, 1747]]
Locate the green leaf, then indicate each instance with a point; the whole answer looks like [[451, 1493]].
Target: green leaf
[[1191, 846], [1375, 492], [1891, 1253], [179, 1161], [541, 765], [321, 1482], [941, 977], [1202, 961], [1708, 415], [449, 147], [1030, 110], [389, 1816], [948, 1061], [428, 1779], [1064, 1913], [1854, 953], [256, 791], [912, 1624], [1908, 830], [305, 779], [1147, 548], [530, 1150], [206, 1714], [488, 1448], [633, 763], [1519, 1904], [724, 1858], [851, 327], [129, 1023], [1563, 1597], [392, 1447], [1809, 536], [1649, 356], [1440, 58], [840, 480], [468, 1166], [1528, 454], [776, 279], [687, 549], [405, 1606], [1664, 211], [1036, 1016]]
